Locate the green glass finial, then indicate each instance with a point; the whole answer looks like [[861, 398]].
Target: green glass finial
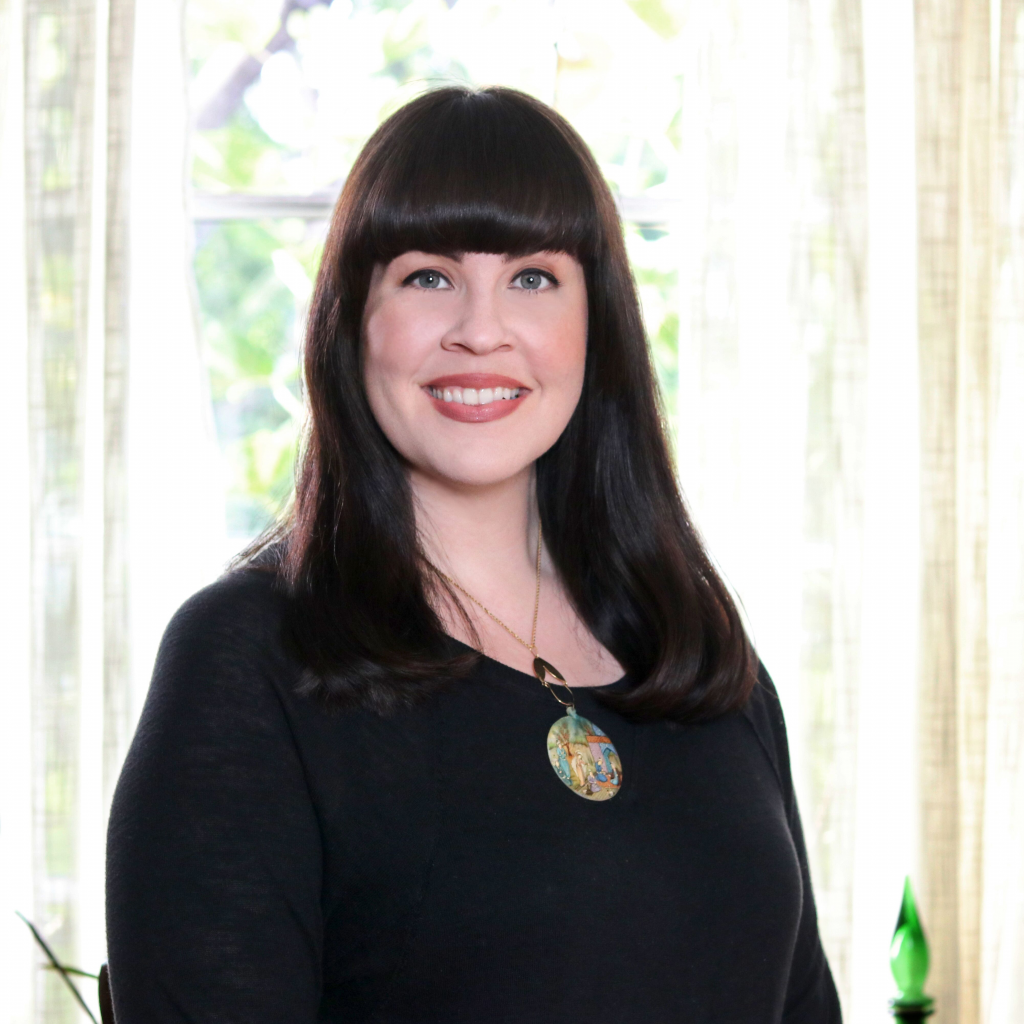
[[908, 957]]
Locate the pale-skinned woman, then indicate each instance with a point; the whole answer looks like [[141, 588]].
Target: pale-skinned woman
[[475, 734]]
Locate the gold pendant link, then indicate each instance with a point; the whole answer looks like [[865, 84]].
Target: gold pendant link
[[542, 669]]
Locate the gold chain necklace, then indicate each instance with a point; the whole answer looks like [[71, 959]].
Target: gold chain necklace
[[582, 755]]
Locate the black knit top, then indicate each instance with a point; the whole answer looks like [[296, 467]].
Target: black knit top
[[274, 862]]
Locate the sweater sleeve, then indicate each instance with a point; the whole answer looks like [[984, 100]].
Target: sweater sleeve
[[214, 849], [811, 996]]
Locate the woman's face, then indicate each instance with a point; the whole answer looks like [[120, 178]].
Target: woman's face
[[474, 364]]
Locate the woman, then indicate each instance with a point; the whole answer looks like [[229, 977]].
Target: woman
[[335, 808]]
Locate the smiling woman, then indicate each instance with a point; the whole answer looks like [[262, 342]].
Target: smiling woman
[[352, 796], [455, 200]]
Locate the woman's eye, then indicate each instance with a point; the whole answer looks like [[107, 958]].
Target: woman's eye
[[428, 279], [533, 280]]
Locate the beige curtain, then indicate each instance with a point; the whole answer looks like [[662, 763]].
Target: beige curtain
[[1002, 828], [970, 68], [773, 366], [17, 960], [65, 164], [109, 459], [852, 439]]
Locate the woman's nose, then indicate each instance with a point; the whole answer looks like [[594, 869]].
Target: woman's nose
[[479, 327]]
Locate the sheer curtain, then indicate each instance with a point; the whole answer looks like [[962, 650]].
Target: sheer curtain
[[849, 238], [111, 483], [970, 72], [775, 436], [852, 440], [1002, 827]]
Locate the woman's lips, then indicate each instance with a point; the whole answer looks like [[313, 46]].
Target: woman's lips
[[474, 380], [457, 384], [477, 413]]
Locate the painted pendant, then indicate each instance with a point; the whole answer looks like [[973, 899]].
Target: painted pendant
[[584, 758]]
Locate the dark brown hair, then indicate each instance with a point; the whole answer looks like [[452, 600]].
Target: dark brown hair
[[496, 171]]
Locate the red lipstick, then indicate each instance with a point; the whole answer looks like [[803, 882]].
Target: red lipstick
[[493, 410]]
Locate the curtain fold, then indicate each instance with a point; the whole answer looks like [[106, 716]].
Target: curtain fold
[[954, 161], [176, 482], [117, 689], [1002, 839], [884, 799], [63, 228], [829, 303], [17, 867]]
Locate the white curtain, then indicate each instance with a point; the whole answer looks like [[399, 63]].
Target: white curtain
[[774, 377], [852, 439], [112, 499]]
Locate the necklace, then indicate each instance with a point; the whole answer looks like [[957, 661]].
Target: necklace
[[582, 755]]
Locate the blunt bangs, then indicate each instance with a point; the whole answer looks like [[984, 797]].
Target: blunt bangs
[[458, 171]]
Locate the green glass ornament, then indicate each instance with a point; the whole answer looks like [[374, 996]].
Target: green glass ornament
[[908, 960]]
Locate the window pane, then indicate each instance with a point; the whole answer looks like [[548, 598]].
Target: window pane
[[254, 280], [285, 106]]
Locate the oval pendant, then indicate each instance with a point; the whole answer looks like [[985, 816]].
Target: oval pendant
[[584, 758]]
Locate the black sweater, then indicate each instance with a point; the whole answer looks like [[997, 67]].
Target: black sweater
[[272, 862]]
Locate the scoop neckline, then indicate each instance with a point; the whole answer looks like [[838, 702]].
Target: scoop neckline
[[622, 683]]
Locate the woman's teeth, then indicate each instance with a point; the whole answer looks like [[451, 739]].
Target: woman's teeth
[[471, 396]]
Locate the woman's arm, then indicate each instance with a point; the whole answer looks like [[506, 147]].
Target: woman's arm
[[811, 996], [214, 852]]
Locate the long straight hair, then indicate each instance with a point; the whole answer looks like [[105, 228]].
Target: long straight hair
[[495, 171]]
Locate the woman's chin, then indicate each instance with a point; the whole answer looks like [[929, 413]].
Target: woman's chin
[[473, 474]]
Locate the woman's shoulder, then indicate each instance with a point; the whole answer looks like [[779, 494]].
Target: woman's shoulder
[[246, 600], [216, 703], [229, 635], [763, 703], [763, 710]]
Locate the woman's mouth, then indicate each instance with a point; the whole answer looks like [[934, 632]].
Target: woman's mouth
[[472, 396], [476, 397]]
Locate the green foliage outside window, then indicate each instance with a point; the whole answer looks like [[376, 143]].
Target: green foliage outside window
[[254, 278]]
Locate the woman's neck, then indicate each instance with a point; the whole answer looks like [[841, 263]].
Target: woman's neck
[[483, 537]]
